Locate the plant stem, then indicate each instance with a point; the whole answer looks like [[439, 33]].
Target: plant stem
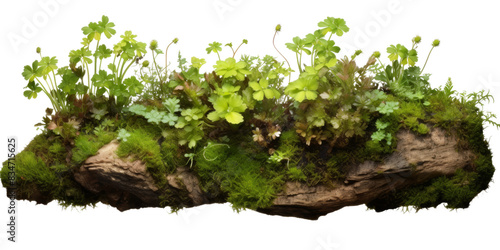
[[289, 76], [298, 62], [88, 77], [166, 60], [156, 67], [120, 76], [95, 58], [54, 103], [126, 69], [427, 59], [234, 52]]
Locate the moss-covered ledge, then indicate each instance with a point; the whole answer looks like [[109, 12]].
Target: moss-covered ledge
[[423, 171]]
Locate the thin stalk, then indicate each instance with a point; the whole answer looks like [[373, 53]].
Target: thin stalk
[[126, 69], [54, 103], [88, 78], [120, 76], [427, 59], [166, 60], [290, 75], [298, 62], [95, 58], [234, 52], [156, 66]]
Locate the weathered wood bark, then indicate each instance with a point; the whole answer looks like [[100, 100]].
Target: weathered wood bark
[[127, 184]]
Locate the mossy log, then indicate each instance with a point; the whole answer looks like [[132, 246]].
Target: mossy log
[[417, 162]]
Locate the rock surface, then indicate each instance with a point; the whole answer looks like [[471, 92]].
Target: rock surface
[[127, 184]]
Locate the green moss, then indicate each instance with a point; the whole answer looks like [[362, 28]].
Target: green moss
[[170, 152], [88, 145], [142, 145], [295, 174], [230, 171]]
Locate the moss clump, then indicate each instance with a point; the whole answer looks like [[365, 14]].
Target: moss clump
[[239, 175], [88, 145], [142, 145], [456, 191], [32, 169], [170, 152]]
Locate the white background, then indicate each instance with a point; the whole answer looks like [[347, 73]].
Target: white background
[[469, 53]]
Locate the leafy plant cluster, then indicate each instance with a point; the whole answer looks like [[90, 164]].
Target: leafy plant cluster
[[241, 127]]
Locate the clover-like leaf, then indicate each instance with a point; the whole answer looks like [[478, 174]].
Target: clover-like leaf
[[230, 67], [334, 25], [82, 54], [33, 71], [387, 107], [197, 62], [261, 89], [397, 51], [381, 125], [138, 109], [154, 116], [411, 58], [170, 119], [303, 88], [128, 37], [123, 134], [48, 64], [68, 82], [214, 47], [228, 108], [107, 27], [192, 114], [134, 86], [103, 52], [298, 46], [103, 79], [33, 90], [98, 114]]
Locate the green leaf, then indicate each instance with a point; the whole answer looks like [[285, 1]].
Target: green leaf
[[303, 88], [102, 79], [214, 47], [378, 136], [33, 90], [68, 82], [134, 86], [92, 31], [107, 27], [397, 51], [30, 73], [229, 68], [48, 64], [334, 25], [387, 107], [129, 37], [98, 113], [82, 54], [197, 62], [226, 105], [154, 116], [103, 52], [381, 125], [138, 109], [170, 119], [172, 104], [234, 117], [123, 134]]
